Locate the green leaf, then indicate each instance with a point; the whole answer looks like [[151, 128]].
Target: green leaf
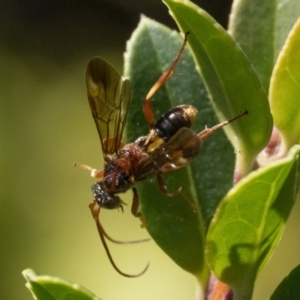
[[260, 28], [285, 90], [289, 287], [54, 288], [171, 221], [230, 79], [250, 221]]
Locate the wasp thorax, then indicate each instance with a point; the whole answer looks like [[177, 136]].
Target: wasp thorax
[[169, 123], [117, 179], [104, 198]]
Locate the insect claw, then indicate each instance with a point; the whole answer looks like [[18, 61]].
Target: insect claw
[[178, 192], [164, 188]]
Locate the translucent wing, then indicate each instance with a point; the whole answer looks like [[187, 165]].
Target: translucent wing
[[177, 152], [109, 97]]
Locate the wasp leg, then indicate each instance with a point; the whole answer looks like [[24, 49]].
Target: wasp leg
[[147, 105], [135, 207], [95, 210], [208, 131], [164, 189]]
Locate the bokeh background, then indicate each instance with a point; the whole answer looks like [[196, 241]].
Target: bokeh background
[[45, 126]]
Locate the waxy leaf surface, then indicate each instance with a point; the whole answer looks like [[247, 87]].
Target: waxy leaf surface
[[285, 90], [261, 28], [249, 222], [45, 287]]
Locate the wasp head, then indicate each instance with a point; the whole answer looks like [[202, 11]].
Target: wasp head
[[104, 198]]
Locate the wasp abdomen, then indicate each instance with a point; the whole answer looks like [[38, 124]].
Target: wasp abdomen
[[169, 123]]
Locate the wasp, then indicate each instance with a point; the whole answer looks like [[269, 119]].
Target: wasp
[[170, 144]]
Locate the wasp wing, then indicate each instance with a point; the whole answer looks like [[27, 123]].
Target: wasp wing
[[177, 152], [109, 97]]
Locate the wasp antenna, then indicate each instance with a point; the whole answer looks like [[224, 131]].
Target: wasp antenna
[[122, 242], [208, 131], [84, 167], [95, 210], [94, 172]]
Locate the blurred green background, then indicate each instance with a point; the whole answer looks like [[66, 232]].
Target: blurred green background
[[46, 125]]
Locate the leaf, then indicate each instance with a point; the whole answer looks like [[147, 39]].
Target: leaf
[[285, 90], [260, 28], [230, 79], [289, 287], [171, 221], [45, 287], [249, 223]]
